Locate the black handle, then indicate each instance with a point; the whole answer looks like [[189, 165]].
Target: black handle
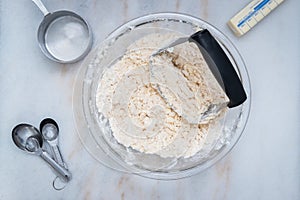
[[220, 66]]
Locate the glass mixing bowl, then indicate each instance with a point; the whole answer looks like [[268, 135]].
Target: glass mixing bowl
[[94, 129]]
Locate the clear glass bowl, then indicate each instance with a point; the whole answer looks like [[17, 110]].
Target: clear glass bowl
[[94, 130]]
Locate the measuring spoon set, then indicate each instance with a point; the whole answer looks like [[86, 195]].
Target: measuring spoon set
[[31, 140]]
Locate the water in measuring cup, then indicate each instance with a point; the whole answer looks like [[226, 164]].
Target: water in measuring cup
[[67, 38]]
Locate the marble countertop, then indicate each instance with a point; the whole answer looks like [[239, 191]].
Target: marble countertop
[[265, 164]]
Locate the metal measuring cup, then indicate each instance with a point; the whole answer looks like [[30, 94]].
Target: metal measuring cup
[[63, 36]]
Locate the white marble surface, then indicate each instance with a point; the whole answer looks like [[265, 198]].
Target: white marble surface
[[265, 164]]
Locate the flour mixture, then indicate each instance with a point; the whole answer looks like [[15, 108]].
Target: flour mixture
[[153, 109]]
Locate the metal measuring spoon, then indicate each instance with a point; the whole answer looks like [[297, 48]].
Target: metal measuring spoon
[[63, 36], [28, 138], [49, 129]]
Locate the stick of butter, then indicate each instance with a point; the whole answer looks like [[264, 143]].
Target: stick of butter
[[249, 16]]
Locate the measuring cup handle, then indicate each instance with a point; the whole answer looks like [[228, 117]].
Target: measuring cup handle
[[41, 6], [62, 172], [213, 52]]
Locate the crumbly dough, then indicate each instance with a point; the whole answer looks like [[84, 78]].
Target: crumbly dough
[[153, 113]]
